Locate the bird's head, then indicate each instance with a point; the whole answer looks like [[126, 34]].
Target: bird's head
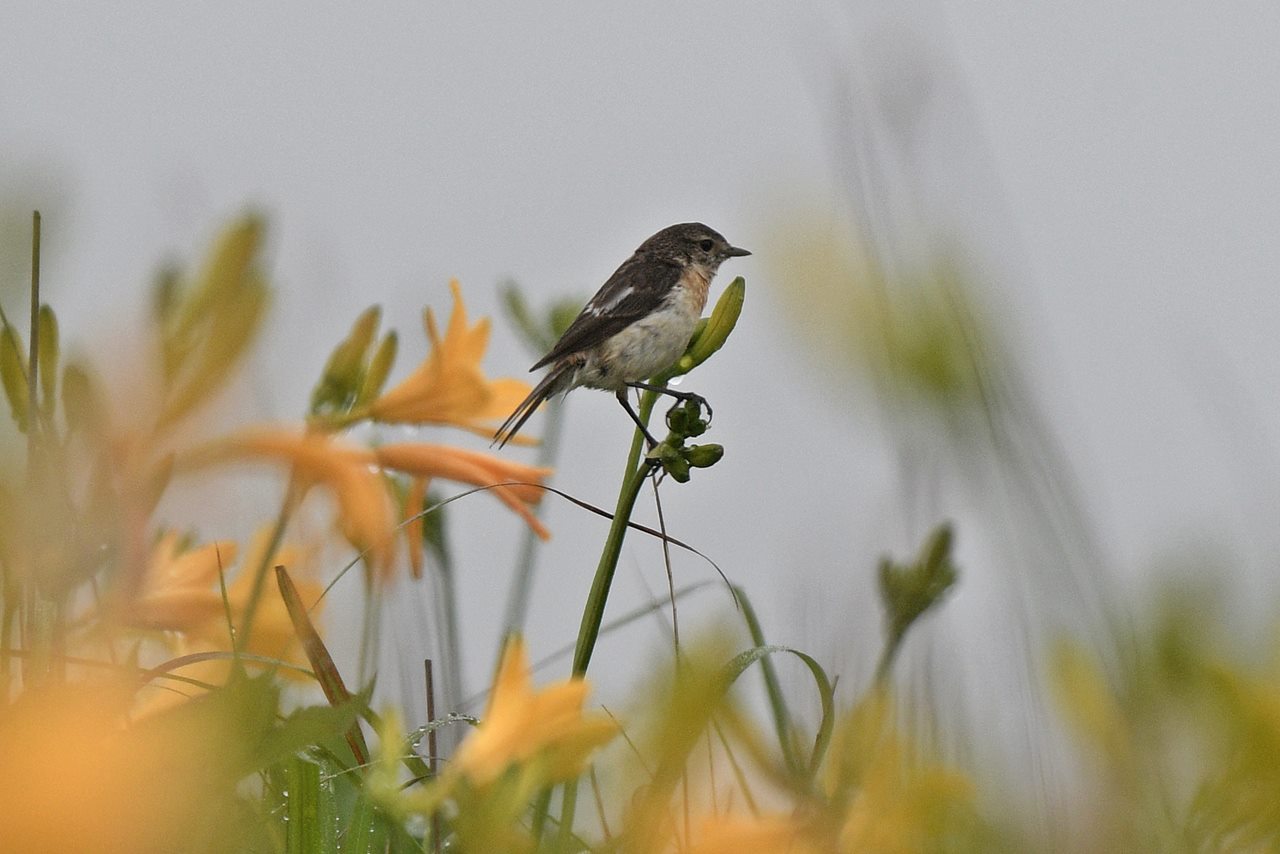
[[690, 243]]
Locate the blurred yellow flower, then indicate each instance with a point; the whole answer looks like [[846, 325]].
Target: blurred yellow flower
[[414, 525], [511, 482], [521, 725], [77, 778], [179, 587], [181, 593], [449, 386], [894, 802], [767, 834], [366, 514]]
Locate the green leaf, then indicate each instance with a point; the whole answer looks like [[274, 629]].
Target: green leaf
[[321, 661], [13, 372], [826, 692], [306, 727], [773, 688], [521, 317], [310, 809]]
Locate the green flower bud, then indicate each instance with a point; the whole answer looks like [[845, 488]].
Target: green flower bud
[[710, 333], [724, 317], [678, 468], [344, 372], [703, 456], [677, 420], [379, 367]]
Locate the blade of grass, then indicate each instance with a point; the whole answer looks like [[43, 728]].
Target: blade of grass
[[826, 692], [777, 700], [326, 671], [310, 813]]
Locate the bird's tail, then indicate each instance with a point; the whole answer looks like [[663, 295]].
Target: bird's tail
[[551, 384]]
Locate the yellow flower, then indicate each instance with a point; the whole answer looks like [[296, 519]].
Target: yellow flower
[[449, 387], [182, 593], [508, 480], [179, 588], [352, 473], [767, 834], [76, 778], [365, 513], [413, 523], [896, 803], [522, 725]]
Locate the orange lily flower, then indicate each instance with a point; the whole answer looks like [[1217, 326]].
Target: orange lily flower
[[179, 589], [181, 592], [77, 778], [780, 834], [513, 483], [366, 515], [522, 724], [449, 386], [414, 525]]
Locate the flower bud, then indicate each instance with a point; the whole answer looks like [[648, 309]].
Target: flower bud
[[703, 456], [677, 467], [722, 321]]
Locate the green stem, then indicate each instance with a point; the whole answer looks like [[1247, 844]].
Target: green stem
[[241, 642], [568, 806], [41, 612], [593, 613], [773, 688], [11, 605], [888, 654], [369, 631], [540, 810], [518, 599], [454, 690]]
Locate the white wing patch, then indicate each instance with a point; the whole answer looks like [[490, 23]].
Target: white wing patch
[[609, 303]]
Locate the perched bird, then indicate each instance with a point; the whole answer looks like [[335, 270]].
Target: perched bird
[[638, 323]]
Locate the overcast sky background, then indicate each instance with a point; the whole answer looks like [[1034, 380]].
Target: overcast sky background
[[1110, 169]]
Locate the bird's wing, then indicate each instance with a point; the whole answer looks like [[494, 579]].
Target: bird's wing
[[635, 290]]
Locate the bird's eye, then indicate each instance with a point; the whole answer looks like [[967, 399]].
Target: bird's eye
[[706, 245]]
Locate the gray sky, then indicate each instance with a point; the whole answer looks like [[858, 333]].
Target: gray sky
[[1110, 169]]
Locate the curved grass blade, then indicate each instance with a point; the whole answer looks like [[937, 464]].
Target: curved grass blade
[[826, 692]]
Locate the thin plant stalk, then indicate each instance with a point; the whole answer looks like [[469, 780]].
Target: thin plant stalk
[[448, 610], [260, 571], [568, 808], [42, 614], [522, 584], [593, 613]]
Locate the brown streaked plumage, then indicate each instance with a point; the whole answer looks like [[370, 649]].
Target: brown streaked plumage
[[637, 324]]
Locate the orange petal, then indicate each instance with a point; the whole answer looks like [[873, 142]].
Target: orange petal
[[414, 525]]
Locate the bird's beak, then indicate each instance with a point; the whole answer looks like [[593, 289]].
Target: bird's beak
[[735, 252]]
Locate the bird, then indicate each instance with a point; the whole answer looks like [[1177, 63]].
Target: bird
[[638, 323]]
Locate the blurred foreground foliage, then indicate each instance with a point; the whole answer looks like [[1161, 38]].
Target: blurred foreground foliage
[[161, 690]]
